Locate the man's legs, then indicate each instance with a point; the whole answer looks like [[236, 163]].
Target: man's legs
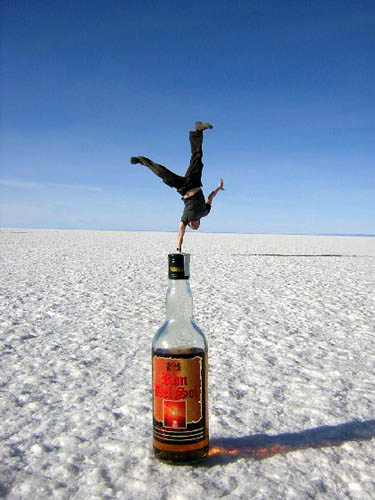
[[193, 175], [168, 177], [196, 165]]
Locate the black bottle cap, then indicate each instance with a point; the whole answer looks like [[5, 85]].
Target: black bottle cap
[[178, 266]]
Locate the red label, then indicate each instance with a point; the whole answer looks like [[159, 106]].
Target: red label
[[177, 391], [179, 399]]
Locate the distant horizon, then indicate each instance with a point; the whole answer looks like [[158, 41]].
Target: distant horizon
[[359, 235]]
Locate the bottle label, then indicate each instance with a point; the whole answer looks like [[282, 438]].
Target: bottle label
[[179, 397]]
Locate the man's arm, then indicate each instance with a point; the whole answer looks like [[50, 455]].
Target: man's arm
[[212, 195], [180, 236]]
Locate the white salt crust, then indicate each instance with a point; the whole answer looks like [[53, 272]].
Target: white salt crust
[[290, 325]]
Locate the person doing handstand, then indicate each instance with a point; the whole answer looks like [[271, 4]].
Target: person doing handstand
[[189, 185]]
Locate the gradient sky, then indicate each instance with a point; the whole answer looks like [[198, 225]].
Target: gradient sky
[[288, 85]]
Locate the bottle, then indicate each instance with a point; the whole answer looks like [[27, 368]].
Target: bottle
[[179, 375]]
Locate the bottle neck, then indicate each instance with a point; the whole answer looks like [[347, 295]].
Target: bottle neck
[[179, 301]]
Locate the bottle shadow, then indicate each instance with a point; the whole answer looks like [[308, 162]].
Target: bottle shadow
[[261, 446]]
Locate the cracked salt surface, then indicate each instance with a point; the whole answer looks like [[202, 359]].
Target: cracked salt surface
[[290, 325]]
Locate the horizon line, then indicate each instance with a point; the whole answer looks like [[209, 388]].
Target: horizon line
[[359, 235]]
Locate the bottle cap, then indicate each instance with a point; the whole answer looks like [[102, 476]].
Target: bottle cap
[[178, 266]]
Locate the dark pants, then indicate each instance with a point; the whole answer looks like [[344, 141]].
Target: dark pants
[[193, 175]]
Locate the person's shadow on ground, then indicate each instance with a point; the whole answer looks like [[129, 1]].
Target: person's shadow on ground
[[260, 446]]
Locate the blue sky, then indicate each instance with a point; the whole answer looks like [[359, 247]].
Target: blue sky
[[288, 85]]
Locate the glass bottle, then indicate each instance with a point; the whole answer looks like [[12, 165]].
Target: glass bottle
[[179, 375]]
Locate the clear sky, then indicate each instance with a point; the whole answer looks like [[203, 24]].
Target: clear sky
[[288, 85]]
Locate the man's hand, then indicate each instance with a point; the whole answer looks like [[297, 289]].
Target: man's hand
[[212, 195], [180, 236]]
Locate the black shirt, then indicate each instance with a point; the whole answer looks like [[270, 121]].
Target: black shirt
[[195, 207]]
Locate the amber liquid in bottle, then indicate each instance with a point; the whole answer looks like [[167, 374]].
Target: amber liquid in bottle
[[179, 366]]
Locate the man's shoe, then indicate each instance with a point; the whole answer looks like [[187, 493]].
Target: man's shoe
[[134, 160], [199, 126]]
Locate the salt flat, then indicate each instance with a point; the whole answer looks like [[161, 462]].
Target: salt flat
[[290, 325]]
